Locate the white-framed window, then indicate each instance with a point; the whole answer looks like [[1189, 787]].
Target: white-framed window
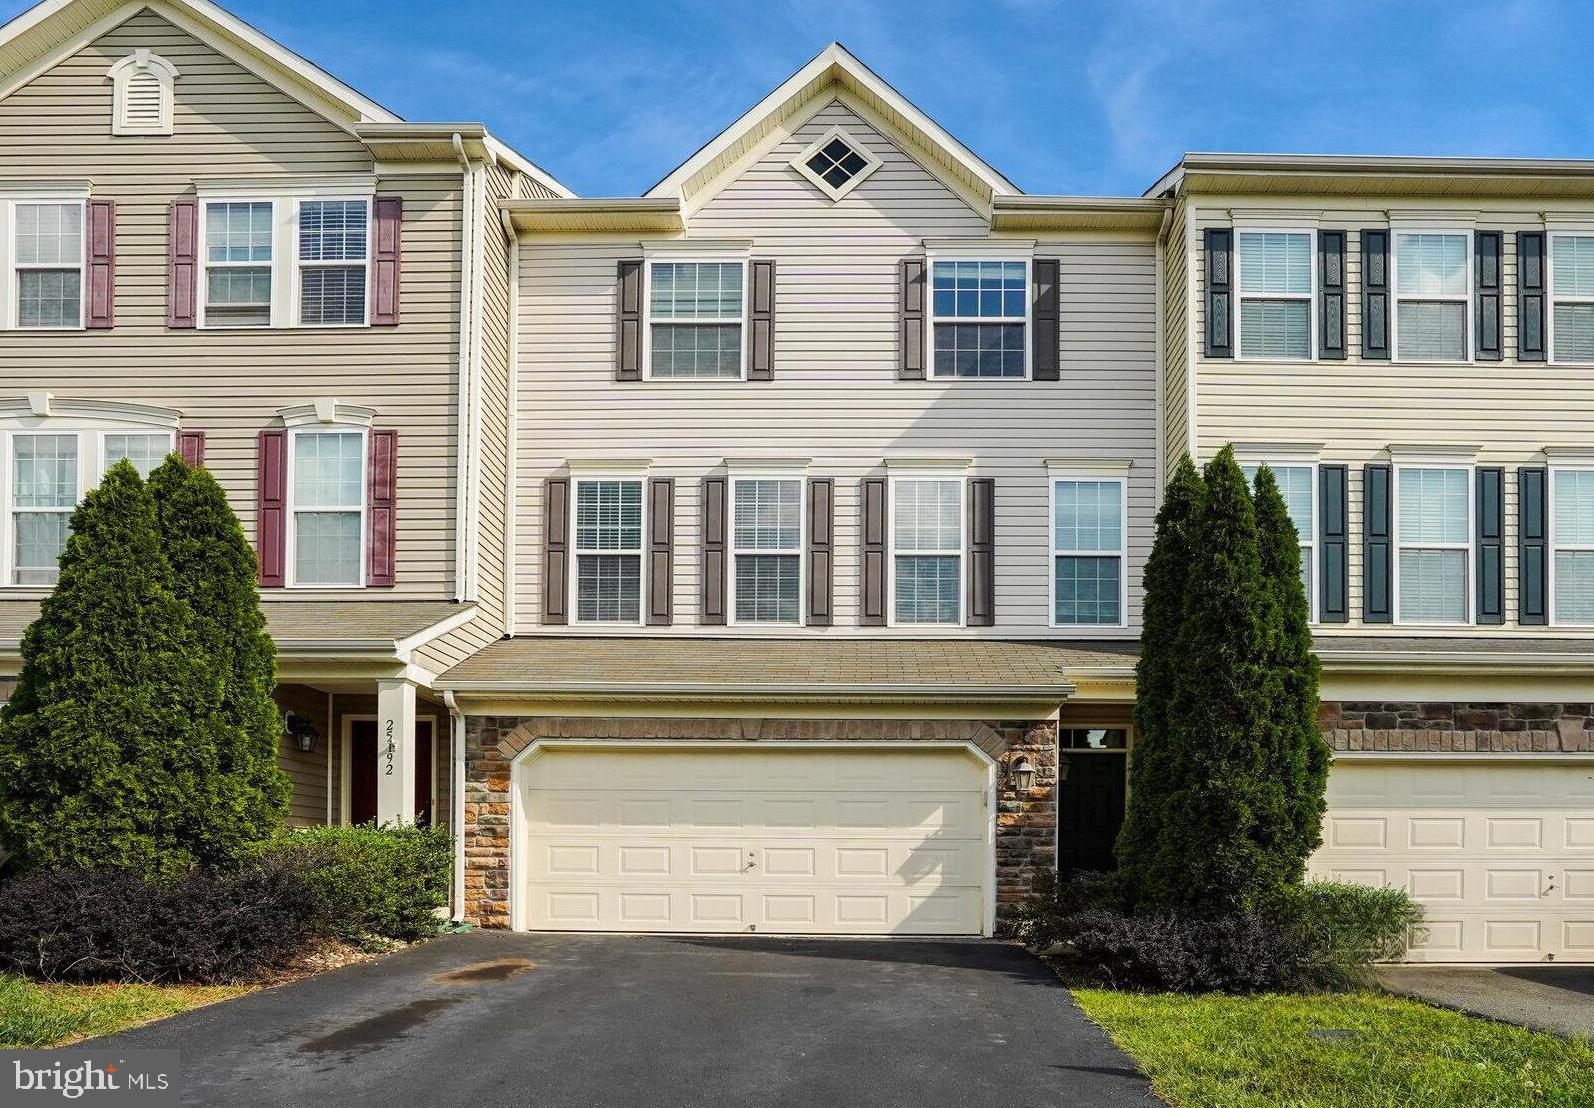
[[1433, 508], [1276, 279], [1571, 298], [927, 542], [1088, 579], [1572, 545], [695, 310], [333, 256], [836, 162], [145, 449], [238, 262], [608, 525], [766, 549], [326, 507], [1297, 482], [1433, 296], [979, 318], [45, 485], [46, 269]]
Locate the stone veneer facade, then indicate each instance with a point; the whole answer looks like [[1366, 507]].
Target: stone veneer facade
[[1446, 726], [1026, 825]]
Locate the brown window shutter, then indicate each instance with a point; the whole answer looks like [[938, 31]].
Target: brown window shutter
[[628, 323], [191, 447], [873, 610], [382, 502], [272, 507], [1046, 319], [911, 365], [387, 233], [714, 522], [761, 317], [182, 261], [100, 306], [982, 552], [661, 551], [556, 550], [821, 550]]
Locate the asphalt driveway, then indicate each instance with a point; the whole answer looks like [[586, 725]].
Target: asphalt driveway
[[494, 1018], [1559, 999]]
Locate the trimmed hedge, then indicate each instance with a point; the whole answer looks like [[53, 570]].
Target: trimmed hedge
[[387, 882]]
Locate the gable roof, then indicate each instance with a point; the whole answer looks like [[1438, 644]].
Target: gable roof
[[834, 67]]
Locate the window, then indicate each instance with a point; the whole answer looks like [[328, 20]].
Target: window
[[695, 319], [44, 490], [608, 551], [837, 163], [1572, 297], [1298, 485], [1572, 544], [47, 254], [238, 260], [1433, 282], [927, 550], [145, 450], [328, 498], [334, 244], [979, 312], [1093, 738], [1088, 552], [767, 548], [1275, 294], [1433, 544]]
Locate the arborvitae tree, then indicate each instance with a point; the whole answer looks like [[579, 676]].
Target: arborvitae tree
[[103, 751], [214, 572], [1162, 615], [1299, 753]]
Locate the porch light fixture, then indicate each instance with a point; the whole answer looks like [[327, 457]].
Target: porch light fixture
[[302, 728], [1023, 773]]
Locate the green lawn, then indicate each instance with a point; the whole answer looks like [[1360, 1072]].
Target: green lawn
[[1256, 1052], [45, 1015]]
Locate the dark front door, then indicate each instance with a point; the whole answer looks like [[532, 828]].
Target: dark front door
[[1090, 810], [362, 771]]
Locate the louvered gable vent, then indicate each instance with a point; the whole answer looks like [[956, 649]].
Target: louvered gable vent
[[144, 87]]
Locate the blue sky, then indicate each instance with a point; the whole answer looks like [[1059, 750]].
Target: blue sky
[[1060, 95]]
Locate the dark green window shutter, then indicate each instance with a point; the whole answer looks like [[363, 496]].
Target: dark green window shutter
[[1046, 319], [872, 612], [556, 550], [761, 320], [1491, 538], [821, 551], [628, 322], [1377, 545], [661, 551], [1375, 294], [982, 552], [1531, 297], [1331, 294], [714, 506], [1219, 243], [910, 330], [1333, 527], [1533, 608], [1490, 295]]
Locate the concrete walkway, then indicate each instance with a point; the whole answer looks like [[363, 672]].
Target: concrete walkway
[[1559, 999]]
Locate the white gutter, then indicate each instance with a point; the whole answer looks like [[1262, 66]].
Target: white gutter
[[463, 444], [659, 689], [456, 794]]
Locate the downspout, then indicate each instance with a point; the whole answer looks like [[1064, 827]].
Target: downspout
[[1160, 315], [329, 759], [456, 793], [462, 441], [512, 445]]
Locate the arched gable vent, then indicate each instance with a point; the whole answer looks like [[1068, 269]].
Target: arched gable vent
[[143, 94]]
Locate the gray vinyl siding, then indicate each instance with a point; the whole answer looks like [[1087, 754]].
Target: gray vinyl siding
[[835, 399], [1176, 338], [307, 803], [229, 123]]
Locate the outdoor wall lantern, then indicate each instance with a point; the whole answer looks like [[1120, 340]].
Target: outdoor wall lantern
[[1023, 773], [302, 728]]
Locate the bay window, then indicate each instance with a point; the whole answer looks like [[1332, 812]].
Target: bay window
[[1433, 544], [1572, 298], [327, 491], [47, 263], [1433, 290], [1275, 282], [927, 550], [1088, 552], [766, 538], [608, 550], [1572, 545], [979, 318], [695, 311]]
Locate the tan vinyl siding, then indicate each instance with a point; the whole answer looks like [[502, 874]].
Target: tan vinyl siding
[[835, 398], [230, 384], [307, 805], [1177, 354]]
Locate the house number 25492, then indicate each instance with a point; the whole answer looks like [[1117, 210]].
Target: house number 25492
[[388, 749]]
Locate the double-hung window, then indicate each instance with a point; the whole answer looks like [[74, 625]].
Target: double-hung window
[[44, 490], [608, 530], [239, 248], [1572, 545], [328, 500], [979, 317], [145, 449], [1433, 290], [695, 311], [767, 565], [1275, 279], [1433, 544], [1572, 296], [927, 550], [47, 263], [1088, 551], [1297, 484], [334, 257]]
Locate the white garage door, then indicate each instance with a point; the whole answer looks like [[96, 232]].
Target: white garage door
[[1501, 856], [798, 841]]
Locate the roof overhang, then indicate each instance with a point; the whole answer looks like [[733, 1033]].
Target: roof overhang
[[1332, 174], [639, 215], [431, 143], [1077, 213]]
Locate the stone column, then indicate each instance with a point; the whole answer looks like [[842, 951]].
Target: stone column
[[395, 752]]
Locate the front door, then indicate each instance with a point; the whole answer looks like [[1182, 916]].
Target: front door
[[1090, 810], [362, 771]]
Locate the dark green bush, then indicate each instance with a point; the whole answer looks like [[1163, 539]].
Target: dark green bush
[[382, 882], [1344, 928]]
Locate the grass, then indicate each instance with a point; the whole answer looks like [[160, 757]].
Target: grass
[[1256, 1052], [49, 1015]]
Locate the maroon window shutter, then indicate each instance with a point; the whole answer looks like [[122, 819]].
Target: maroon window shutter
[[661, 551], [272, 508], [628, 322], [982, 552], [191, 447], [100, 308], [182, 270], [821, 550], [874, 553], [714, 506], [556, 551], [380, 541], [761, 314], [387, 218]]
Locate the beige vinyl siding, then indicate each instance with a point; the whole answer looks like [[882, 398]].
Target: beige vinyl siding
[[230, 384], [1177, 354], [307, 804], [835, 399]]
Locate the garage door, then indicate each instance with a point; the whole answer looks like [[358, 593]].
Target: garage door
[[1501, 856], [797, 841]]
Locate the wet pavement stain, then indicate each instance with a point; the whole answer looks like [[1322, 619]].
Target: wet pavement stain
[[484, 971], [370, 1034]]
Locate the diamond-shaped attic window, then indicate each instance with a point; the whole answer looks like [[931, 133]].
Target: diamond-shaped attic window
[[837, 163]]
